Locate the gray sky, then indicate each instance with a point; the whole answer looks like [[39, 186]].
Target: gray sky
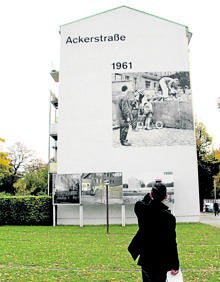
[[30, 49]]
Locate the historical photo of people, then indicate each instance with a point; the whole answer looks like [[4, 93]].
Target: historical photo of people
[[152, 109], [137, 185], [66, 189], [94, 188]]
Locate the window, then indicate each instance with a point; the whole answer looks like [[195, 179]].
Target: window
[[147, 83], [118, 76]]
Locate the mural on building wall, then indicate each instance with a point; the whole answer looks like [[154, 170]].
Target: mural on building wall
[[66, 189], [152, 109], [137, 184], [94, 188]]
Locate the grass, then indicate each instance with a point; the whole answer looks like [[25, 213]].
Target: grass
[[71, 253]]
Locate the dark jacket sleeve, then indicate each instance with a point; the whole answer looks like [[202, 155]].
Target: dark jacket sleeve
[[140, 209], [140, 206], [173, 254], [134, 246]]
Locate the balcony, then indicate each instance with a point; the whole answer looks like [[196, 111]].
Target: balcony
[[53, 131], [54, 100], [52, 167], [55, 75]]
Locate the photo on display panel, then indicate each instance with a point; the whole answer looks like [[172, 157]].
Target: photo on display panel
[[152, 109], [95, 185], [66, 189], [138, 184]]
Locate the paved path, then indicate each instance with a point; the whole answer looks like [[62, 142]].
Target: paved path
[[156, 137], [210, 218]]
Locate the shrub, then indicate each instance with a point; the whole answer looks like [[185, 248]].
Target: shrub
[[25, 210]]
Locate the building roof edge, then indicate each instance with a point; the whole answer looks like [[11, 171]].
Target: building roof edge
[[120, 7]]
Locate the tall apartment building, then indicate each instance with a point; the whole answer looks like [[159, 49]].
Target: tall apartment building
[[89, 165]]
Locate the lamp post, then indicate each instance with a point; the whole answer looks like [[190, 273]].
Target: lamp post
[[107, 206]]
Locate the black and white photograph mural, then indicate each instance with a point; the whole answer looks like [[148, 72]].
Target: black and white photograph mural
[[152, 109], [66, 189], [94, 187], [138, 184]]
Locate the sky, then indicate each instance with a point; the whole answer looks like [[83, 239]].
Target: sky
[[29, 49]]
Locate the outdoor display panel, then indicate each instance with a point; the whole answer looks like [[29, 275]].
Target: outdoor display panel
[[66, 189], [137, 185], [94, 188], [100, 56]]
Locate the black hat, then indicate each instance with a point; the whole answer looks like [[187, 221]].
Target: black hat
[[124, 88], [159, 191]]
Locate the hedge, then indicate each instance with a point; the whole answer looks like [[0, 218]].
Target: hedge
[[26, 210]]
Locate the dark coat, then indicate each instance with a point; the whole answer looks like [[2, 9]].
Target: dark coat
[[124, 109], [155, 241]]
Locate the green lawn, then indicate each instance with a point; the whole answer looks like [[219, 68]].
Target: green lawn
[[71, 253]]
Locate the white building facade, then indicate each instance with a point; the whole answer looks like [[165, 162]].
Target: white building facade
[[99, 55]]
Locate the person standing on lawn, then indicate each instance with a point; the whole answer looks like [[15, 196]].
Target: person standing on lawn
[[155, 241], [216, 208]]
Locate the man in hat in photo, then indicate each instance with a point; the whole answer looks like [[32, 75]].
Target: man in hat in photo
[[125, 116]]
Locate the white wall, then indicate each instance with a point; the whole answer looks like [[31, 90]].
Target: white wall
[[85, 104]]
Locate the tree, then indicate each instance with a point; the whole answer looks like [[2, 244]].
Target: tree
[[217, 183], [21, 159], [203, 141], [4, 167], [33, 182], [217, 178], [208, 165]]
